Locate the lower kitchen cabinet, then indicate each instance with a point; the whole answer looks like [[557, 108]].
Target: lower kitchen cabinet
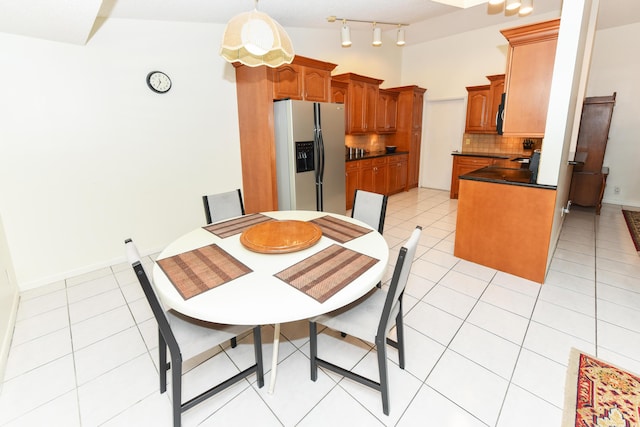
[[384, 175], [398, 168], [462, 165]]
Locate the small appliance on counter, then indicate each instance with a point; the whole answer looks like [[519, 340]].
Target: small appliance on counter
[[390, 149], [527, 144], [533, 166]]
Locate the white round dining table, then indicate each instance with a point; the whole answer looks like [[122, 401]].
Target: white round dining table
[[260, 298]]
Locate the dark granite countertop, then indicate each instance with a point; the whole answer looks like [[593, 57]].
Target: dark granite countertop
[[505, 176], [374, 154]]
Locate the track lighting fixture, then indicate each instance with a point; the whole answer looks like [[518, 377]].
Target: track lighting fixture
[[377, 36], [524, 7], [345, 31], [345, 34]]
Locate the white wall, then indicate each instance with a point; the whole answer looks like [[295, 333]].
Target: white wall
[[615, 67], [8, 301], [91, 156]]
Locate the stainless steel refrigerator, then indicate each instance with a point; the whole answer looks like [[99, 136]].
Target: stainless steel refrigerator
[[310, 155]]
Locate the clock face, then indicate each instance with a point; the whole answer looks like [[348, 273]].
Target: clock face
[[158, 82]]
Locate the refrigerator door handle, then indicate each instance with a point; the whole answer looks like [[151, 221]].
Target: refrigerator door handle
[[319, 143]]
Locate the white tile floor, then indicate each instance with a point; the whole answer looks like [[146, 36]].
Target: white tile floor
[[484, 348]]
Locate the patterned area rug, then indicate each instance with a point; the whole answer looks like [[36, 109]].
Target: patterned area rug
[[600, 394], [633, 222]]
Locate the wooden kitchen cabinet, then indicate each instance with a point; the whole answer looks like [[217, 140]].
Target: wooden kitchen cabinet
[[478, 109], [303, 79], [351, 181], [530, 60], [589, 179], [339, 91], [255, 92], [373, 175], [408, 136], [462, 165], [362, 97], [397, 173], [386, 111], [482, 105]]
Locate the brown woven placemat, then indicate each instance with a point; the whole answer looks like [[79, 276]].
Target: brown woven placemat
[[339, 230], [201, 269], [322, 275], [236, 225], [632, 219]]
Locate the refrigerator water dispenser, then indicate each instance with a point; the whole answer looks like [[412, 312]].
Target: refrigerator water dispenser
[[304, 156]]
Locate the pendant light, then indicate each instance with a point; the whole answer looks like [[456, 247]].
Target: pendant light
[[345, 34], [400, 36], [512, 4], [377, 36], [254, 39], [526, 7]]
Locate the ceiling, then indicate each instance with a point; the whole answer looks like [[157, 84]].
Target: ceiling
[[72, 20]]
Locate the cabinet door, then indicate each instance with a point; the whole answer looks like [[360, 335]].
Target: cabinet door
[[351, 182], [316, 84], [357, 101], [386, 112], [463, 165], [371, 99], [413, 174], [397, 174], [531, 56], [495, 98], [365, 176], [478, 107], [287, 82], [380, 179], [339, 92], [418, 101]]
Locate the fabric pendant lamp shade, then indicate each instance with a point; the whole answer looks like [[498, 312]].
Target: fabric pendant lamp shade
[[377, 36], [254, 39], [495, 2], [345, 35]]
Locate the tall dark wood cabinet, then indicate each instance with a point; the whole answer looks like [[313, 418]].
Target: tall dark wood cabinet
[[589, 175]]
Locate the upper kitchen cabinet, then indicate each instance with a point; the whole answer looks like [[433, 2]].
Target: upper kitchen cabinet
[[339, 91], [386, 111], [483, 104], [532, 51], [362, 97], [408, 136], [478, 106], [304, 79], [256, 90]]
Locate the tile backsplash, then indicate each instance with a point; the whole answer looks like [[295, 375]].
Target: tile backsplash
[[481, 143]]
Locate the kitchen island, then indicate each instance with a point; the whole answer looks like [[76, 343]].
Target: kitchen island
[[504, 221]]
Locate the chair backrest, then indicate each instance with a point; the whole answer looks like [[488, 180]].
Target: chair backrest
[[158, 311], [398, 282], [370, 208], [223, 205]]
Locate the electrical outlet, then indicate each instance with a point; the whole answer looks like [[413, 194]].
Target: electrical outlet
[[467, 141], [616, 190]]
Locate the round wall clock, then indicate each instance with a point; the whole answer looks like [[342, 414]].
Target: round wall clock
[[158, 82]]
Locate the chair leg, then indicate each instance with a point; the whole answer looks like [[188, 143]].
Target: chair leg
[[234, 342], [400, 339], [162, 362], [257, 345], [382, 369], [176, 379], [313, 349]]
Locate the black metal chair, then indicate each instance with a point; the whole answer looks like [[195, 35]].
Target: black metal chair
[[370, 208], [186, 338], [371, 318], [223, 205]]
